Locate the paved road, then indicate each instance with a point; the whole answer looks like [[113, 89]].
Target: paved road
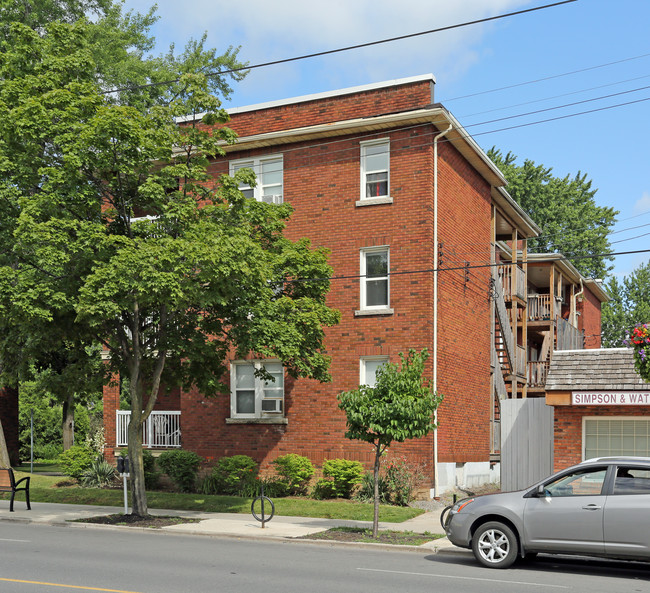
[[40, 558]]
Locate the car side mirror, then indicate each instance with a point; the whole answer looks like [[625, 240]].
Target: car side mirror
[[541, 491]]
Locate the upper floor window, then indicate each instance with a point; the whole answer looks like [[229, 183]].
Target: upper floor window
[[375, 288], [252, 396], [369, 365], [375, 169], [269, 172]]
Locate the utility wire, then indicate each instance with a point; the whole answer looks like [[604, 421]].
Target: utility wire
[[512, 86], [349, 48]]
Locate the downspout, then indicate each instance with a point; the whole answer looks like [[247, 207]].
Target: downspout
[[436, 493], [574, 312]]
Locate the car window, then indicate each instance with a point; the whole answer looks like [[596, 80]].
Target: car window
[[632, 480], [579, 483]]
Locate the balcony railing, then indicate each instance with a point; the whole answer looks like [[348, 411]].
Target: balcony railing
[[537, 372], [513, 281], [162, 429], [539, 307], [521, 361], [569, 337]]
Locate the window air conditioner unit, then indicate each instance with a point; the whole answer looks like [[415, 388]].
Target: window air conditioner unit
[[272, 199]]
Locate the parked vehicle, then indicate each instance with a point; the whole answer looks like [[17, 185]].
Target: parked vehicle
[[600, 507]]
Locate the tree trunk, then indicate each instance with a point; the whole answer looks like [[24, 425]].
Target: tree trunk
[[67, 425], [136, 469], [375, 518], [4, 453]]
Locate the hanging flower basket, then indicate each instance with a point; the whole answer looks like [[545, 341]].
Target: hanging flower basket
[[639, 340]]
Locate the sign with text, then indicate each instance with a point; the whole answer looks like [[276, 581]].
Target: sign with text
[[610, 398]]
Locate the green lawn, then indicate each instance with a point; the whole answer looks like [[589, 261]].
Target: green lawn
[[43, 489]]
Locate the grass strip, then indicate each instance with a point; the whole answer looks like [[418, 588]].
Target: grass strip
[[43, 489], [357, 534]]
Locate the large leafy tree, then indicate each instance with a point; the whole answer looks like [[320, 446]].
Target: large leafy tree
[[566, 211], [400, 406], [115, 46], [629, 305], [118, 228]]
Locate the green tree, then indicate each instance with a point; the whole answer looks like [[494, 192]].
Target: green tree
[[399, 407], [114, 55], [118, 226], [565, 209], [629, 305]]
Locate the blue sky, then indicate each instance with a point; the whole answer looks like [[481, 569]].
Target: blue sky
[[576, 52]]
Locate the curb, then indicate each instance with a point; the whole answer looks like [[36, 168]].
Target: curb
[[431, 547]]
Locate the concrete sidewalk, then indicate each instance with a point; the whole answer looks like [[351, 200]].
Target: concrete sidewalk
[[224, 524]]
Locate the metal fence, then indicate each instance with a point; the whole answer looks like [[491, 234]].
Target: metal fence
[[162, 429]]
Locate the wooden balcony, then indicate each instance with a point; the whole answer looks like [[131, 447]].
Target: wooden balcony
[[537, 372], [521, 361], [539, 307], [513, 281]]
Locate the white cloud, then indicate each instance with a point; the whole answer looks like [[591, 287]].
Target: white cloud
[[642, 204], [269, 31]]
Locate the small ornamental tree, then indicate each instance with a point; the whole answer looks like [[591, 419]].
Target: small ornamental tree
[[639, 340], [399, 407]]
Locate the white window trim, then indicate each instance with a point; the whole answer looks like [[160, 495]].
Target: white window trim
[[255, 163], [259, 393], [597, 418], [363, 199], [362, 365], [373, 309]]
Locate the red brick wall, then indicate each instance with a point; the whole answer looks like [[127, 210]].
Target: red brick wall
[[463, 311], [322, 182], [111, 400], [9, 417], [568, 428], [353, 106], [589, 319]]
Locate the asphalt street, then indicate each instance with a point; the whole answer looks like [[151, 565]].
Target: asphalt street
[[38, 558]]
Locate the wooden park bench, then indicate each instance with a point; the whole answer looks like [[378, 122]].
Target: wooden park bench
[[8, 484]]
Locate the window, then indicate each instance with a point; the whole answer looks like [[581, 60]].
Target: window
[[605, 437], [632, 480], [253, 397], [375, 169], [579, 483], [269, 173], [375, 278], [369, 365]]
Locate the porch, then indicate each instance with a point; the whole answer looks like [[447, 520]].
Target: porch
[[161, 430]]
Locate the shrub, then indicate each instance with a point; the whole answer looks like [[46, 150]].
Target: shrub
[[151, 476], [46, 452], [341, 477], [182, 467], [401, 479], [76, 461], [234, 475], [366, 492], [274, 487], [99, 474], [295, 471], [397, 482]]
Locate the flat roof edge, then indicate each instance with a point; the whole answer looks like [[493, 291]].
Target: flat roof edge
[[323, 95]]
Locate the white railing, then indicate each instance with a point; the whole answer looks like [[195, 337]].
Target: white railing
[[162, 429]]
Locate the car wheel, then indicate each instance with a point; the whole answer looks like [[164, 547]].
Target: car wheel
[[495, 545]]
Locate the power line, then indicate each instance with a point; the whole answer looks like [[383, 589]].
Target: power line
[[593, 88], [563, 258], [512, 86], [349, 47]]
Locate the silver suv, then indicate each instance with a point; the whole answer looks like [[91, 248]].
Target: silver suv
[[600, 507]]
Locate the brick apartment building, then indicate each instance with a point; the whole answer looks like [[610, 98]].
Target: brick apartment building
[[411, 208]]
